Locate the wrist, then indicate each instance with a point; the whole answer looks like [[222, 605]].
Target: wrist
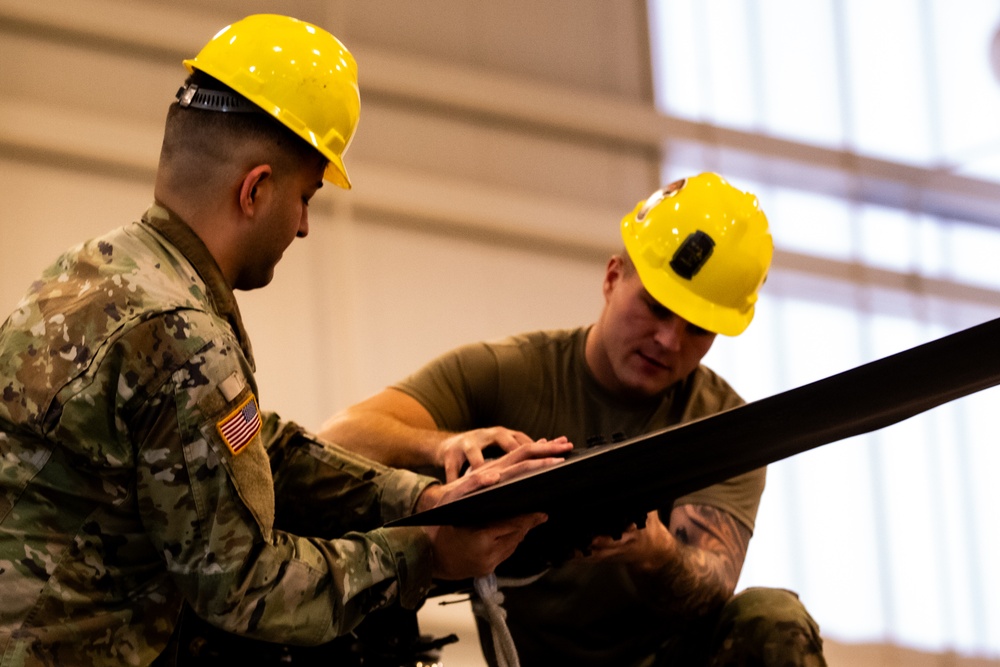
[[429, 498], [438, 449]]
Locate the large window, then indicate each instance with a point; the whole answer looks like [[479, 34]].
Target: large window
[[891, 536], [907, 80]]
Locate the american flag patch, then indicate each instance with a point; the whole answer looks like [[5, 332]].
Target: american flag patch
[[240, 426]]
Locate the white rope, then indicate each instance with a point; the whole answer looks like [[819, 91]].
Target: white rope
[[487, 605], [511, 582]]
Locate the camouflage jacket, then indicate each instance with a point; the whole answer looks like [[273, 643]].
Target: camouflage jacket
[[136, 471]]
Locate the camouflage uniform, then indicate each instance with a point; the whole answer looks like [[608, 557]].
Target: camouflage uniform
[[136, 471], [756, 627]]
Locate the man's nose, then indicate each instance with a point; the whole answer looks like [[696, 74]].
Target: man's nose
[[670, 332]]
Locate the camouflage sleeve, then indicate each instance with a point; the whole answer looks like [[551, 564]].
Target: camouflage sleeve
[[207, 500], [324, 490]]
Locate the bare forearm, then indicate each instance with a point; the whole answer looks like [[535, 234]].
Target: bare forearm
[[384, 438], [395, 429]]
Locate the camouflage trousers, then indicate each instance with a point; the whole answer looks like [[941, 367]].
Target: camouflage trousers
[[760, 627]]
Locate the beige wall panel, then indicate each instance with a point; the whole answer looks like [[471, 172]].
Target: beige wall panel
[[47, 209], [506, 157], [588, 44], [424, 294], [87, 76], [233, 10]]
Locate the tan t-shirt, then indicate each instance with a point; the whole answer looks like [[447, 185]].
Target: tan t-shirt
[[539, 383]]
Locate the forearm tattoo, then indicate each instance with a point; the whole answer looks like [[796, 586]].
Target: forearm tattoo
[[702, 574]]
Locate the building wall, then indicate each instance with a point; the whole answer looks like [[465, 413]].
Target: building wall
[[474, 215], [462, 224]]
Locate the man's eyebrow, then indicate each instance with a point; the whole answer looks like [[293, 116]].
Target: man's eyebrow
[[663, 311], [652, 301]]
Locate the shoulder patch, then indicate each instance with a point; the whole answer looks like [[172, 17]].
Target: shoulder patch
[[241, 425]]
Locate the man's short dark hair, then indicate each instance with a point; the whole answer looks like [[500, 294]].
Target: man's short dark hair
[[209, 138], [628, 267]]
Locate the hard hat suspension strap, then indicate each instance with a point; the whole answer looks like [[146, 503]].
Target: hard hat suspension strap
[[195, 97]]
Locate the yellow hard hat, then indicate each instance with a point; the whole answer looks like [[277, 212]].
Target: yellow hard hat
[[295, 71], [702, 248]]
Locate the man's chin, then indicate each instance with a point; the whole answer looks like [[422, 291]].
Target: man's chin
[[255, 282], [649, 378], [648, 387]]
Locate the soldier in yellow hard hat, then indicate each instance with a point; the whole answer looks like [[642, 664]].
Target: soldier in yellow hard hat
[[702, 248], [292, 70], [696, 254], [137, 469]]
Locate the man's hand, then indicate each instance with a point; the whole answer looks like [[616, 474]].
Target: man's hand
[[531, 456], [644, 548], [394, 428], [458, 448], [463, 552]]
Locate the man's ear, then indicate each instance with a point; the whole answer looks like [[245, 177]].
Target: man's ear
[[254, 186], [613, 274]]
